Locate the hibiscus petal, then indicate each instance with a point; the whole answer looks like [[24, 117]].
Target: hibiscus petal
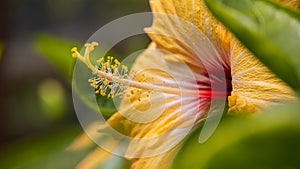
[[159, 121], [254, 86], [179, 30]]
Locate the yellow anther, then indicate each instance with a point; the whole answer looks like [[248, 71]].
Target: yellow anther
[[95, 43], [74, 55], [105, 81], [74, 49], [117, 62], [87, 45], [100, 60]]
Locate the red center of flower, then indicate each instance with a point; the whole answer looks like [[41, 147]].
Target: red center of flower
[[219, 89]]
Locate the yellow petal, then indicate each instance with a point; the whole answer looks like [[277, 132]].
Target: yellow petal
[[191, 11], [81, 142], [294, 4], [162, 161], [167, 120], [254, 86], [94, 159], [84, 142], [187, 22]]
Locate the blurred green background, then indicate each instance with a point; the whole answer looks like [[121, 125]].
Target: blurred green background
[[37, 117]]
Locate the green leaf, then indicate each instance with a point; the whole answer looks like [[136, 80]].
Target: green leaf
[[270, 31], [45, 151], [269, 140], [57, 52]]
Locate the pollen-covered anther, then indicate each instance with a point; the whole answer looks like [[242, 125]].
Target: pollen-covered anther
[[110, 86], [112, 79], [74, 52]]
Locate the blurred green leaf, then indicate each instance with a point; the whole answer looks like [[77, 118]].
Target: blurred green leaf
[[47, 151], [269, 140], [270, 31], [57, 52], [52, 99]]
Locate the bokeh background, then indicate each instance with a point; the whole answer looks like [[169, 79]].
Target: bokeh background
[[37, 115]]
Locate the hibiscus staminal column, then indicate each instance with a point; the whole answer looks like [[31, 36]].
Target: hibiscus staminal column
[[113, 79]]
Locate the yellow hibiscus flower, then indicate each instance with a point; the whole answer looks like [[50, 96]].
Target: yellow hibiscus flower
[[187, 35]]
